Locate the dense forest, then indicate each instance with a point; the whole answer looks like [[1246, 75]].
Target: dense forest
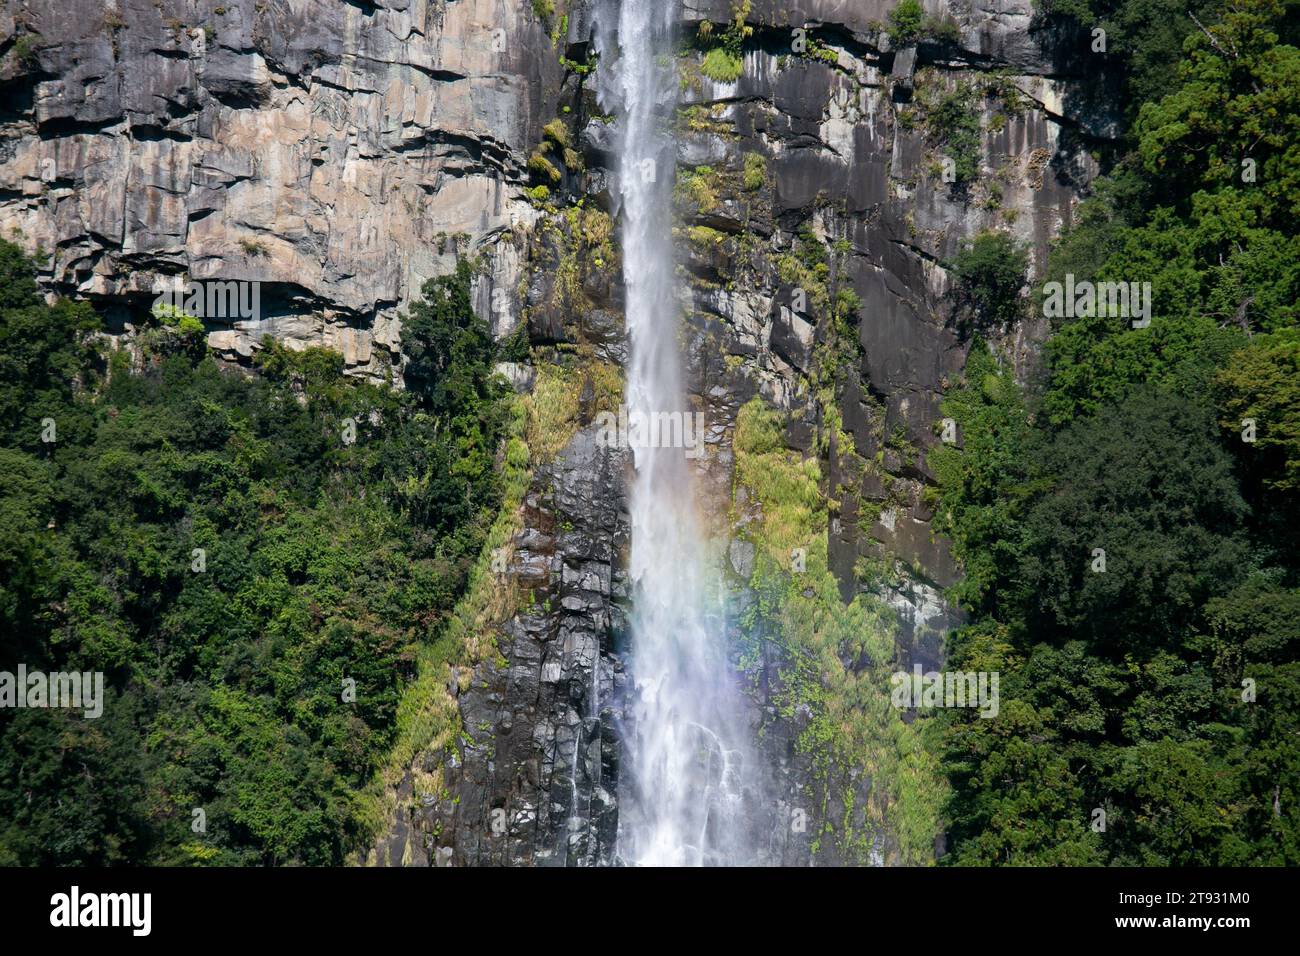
[[251, 560], [1128, 522]]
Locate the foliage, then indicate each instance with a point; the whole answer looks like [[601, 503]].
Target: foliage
[[1262, 382], [1231, 120], [217, 547], [1147, 481], [990, 271], [450, 370], [721, 65], [1144, 39], [25, 48], [700, 186], [905, 22], [541, 166], [556, 132], [722, 61], [1155, 683], [952, 123], [835, 658], [983, 483], [909, 23]]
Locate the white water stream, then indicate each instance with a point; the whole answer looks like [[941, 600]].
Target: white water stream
[[686, 756]]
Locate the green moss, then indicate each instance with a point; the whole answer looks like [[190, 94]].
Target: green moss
[[755, 172], [722, 54], [551, 411], [705, 236], [541, 166], [699, 186], [721, 65], [555, 141], [556, 132], [585, 240], [704, 119], [838, 656], [854, 727]]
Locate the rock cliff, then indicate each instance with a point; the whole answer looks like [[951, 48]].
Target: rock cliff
[[337, 153]]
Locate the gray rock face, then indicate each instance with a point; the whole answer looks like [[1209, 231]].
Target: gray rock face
[[536, 776], [337, 153], [850, 158]]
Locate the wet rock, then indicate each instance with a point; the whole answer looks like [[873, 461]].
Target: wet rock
[[543, 750], [741, 555]]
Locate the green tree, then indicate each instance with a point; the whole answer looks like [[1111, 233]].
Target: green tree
[[1262, 383], [325, 563], [905, 22], [990, 271]]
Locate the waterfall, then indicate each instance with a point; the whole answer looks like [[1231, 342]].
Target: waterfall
[[686, 758]]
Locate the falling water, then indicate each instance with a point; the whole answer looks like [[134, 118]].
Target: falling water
[[686, 761]]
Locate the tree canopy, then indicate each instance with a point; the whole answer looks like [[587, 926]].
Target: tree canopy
[[1128, 523], [235, 553]]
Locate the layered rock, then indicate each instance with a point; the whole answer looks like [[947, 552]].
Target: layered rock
[[338, 154], [533, 779], [840, 123]]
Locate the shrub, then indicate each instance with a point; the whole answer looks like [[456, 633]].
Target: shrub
[[721, 65], [953, 121], [24, 49], [990, 271], [905, 22], [909, 24], [556, 131], [543, 167]]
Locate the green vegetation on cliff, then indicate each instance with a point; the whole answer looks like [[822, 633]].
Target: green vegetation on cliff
[[909, 23], [990, 271], [254, 562], [838, 659], [721, 60]]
